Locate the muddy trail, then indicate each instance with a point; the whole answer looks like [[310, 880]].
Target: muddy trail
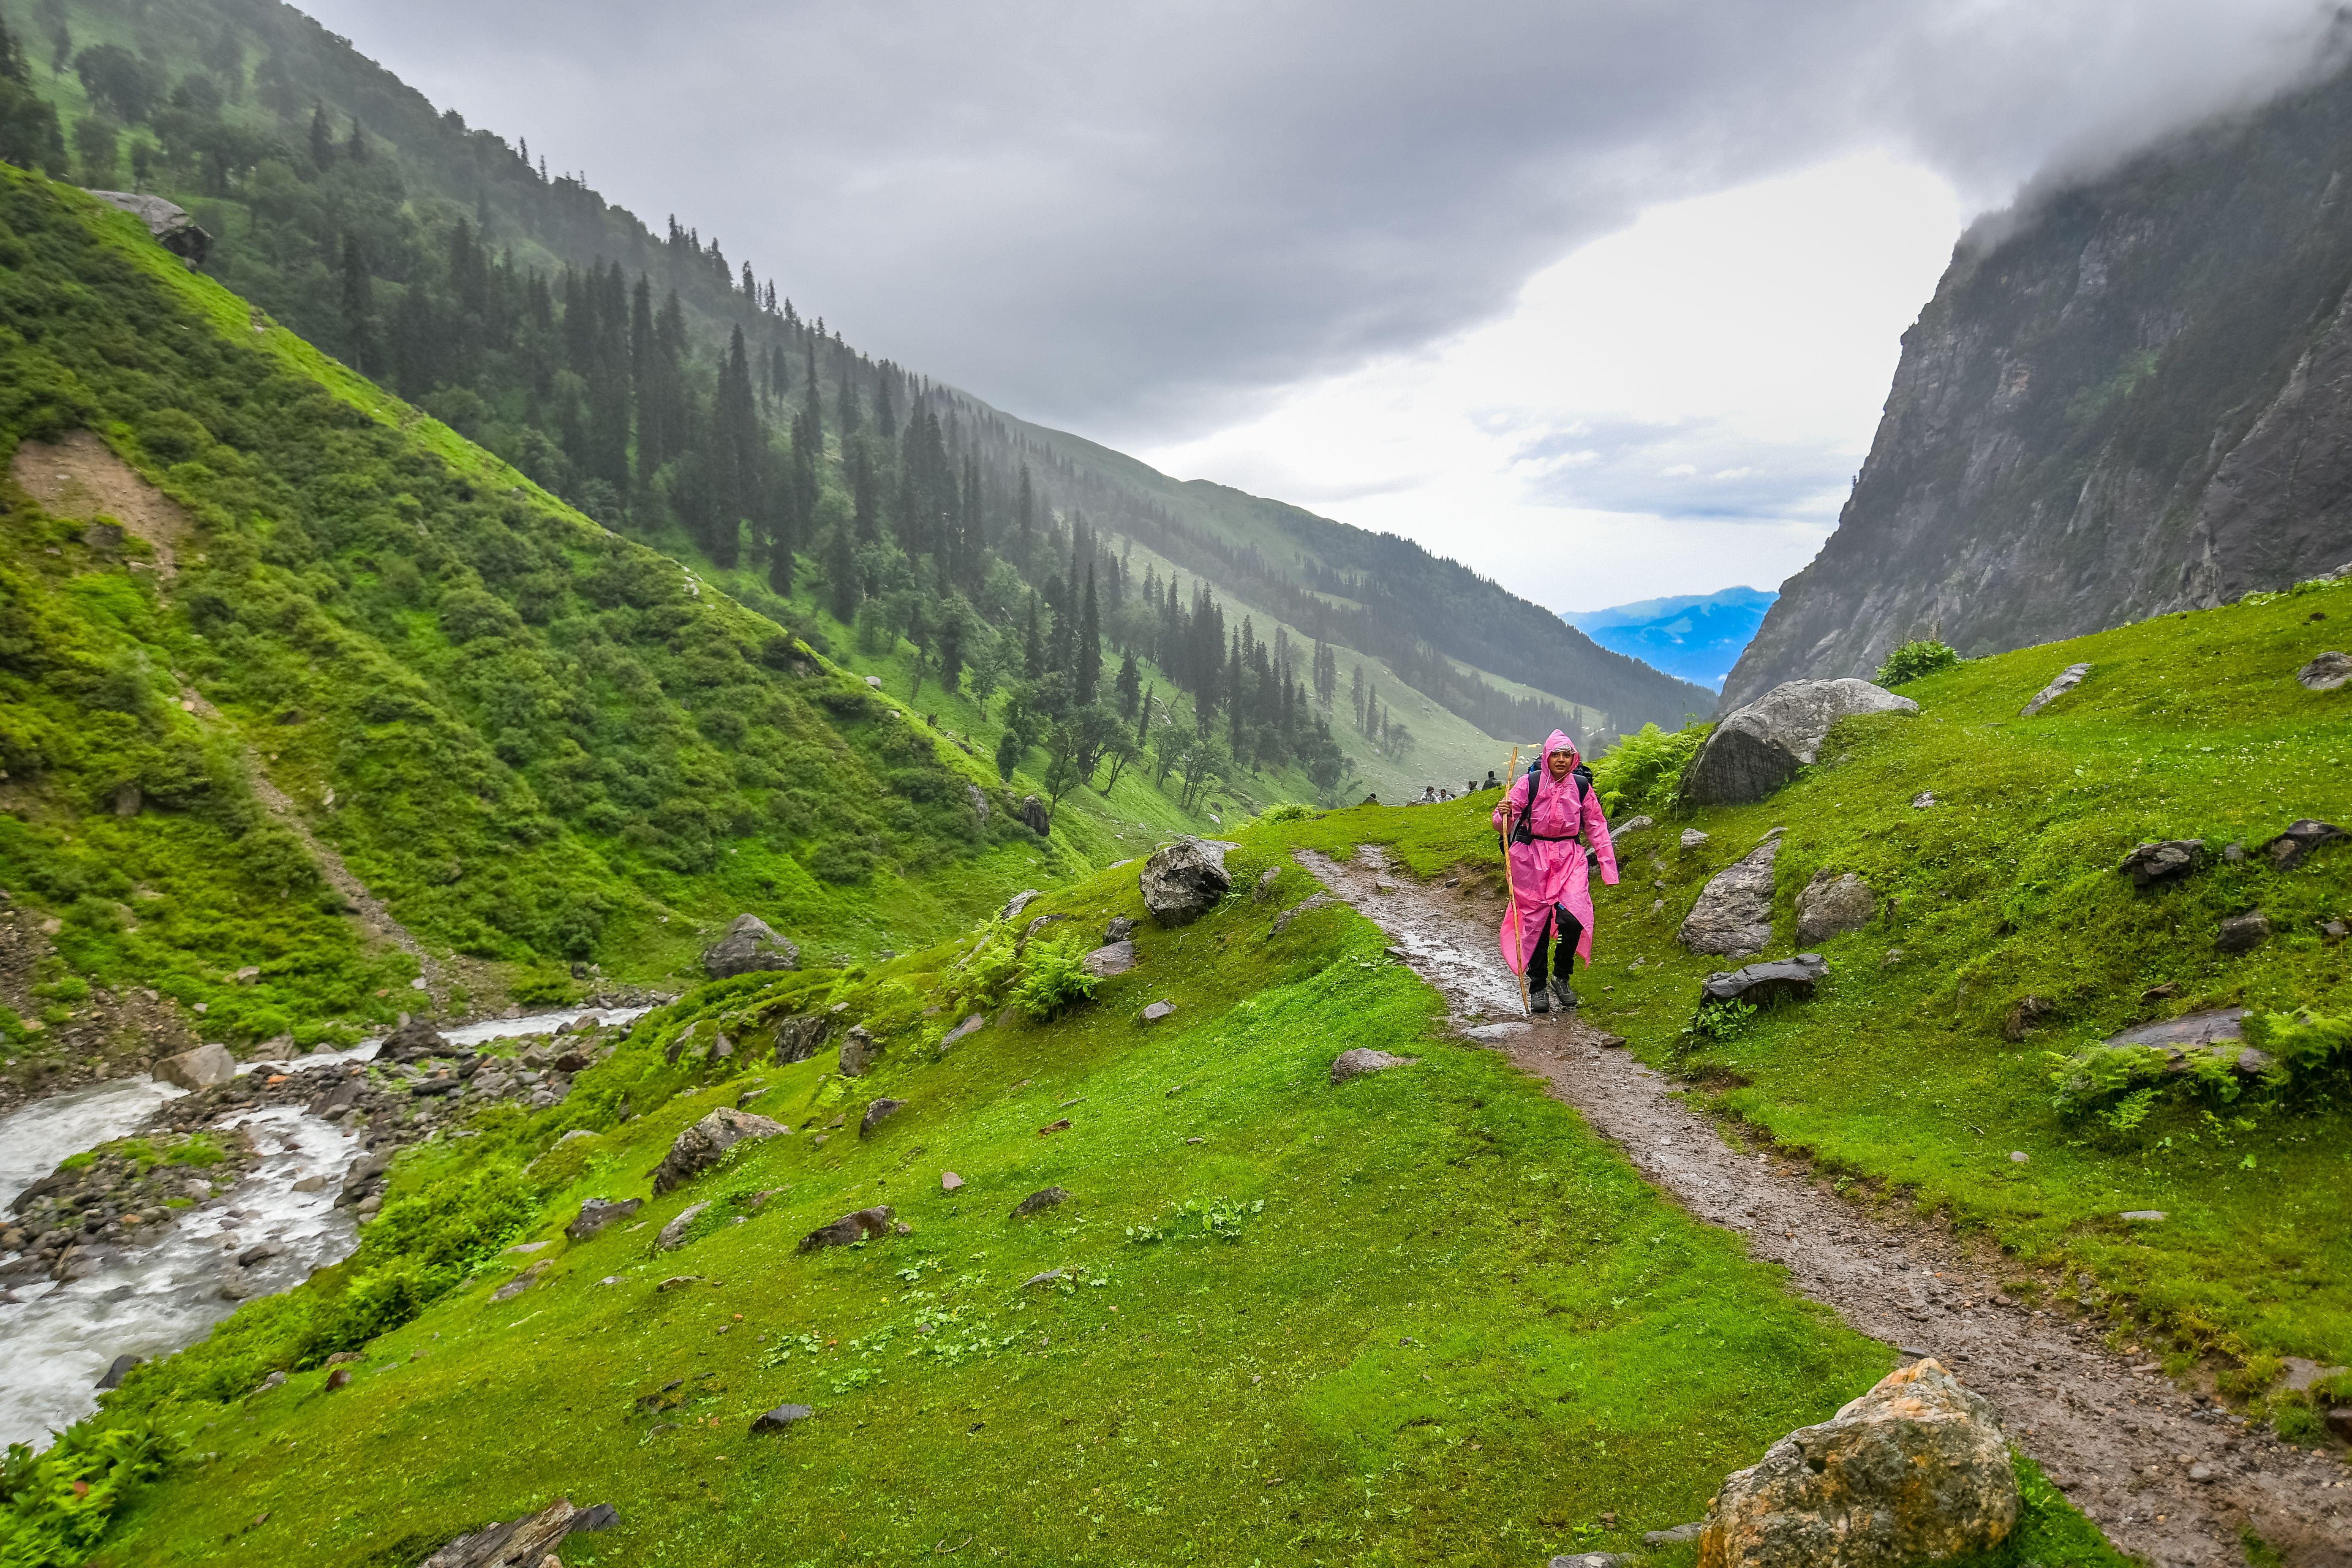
[[2169, 1478]]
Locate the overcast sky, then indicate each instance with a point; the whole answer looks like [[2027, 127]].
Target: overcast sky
[[1602, 298]]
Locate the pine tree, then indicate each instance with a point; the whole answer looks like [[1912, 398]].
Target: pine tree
[[356, 147], [1124, 686], [322, 138], [359, 307], [1356, 695], [1089, 648], [1032, 651]]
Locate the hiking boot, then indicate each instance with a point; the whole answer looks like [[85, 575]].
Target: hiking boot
[[1539, 1000], [1563, 992]]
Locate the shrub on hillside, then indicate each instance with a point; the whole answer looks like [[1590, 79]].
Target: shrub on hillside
[[1289, 811], [1642, 770], [1914, 659], [1054, 980]]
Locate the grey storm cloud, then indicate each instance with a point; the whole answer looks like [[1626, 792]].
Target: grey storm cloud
[[1691, 469], [1143, 219]]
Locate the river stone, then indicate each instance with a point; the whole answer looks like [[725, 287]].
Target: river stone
[[878, 1112], [1107, 962], [1916, 1470], [118, 1369], [1831, 905], [200, 1068], [749, 945], [1762, 982], [414, 1038], [2326, 673], [530, 1540], [1039, 1200], [1733, 917], [1184, 880], [1758, 748], [859, 1051], [2243, 933], [2301, 838], [1360, 1061], [2068, 679], [2160, 861], [849, 1228], [703, 1145]]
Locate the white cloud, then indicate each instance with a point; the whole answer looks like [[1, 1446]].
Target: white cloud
[[1675, 409]]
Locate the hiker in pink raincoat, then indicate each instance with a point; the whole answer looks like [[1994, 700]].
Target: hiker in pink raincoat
[[1552, 887]]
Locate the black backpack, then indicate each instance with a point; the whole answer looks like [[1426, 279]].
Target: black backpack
[[1522, 829]]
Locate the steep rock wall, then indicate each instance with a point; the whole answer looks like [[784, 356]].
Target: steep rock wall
[[2129, 396]]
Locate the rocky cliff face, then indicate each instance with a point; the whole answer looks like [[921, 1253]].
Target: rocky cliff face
[[2131, 395]]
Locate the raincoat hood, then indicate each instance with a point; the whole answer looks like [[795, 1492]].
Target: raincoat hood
[[1560, 743]]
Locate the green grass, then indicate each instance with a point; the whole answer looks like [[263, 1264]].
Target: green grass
[[1902, 1077], [1425, 1316]]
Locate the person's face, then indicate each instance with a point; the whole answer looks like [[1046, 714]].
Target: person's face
[[1562, 763]]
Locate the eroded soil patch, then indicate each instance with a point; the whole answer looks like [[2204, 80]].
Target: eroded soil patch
[[2167, 1479], [80, 477]]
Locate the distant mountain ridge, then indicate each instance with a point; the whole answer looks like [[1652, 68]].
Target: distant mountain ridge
[[1697, 637], [2130, 396], [244, 95]]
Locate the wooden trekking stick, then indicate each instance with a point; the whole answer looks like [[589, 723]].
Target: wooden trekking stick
[[1518, 943]]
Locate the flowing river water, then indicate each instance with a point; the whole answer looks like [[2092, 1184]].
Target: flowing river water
[[58, 1338]]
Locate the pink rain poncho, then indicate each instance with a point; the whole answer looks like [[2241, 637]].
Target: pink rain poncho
[[1548, 878]]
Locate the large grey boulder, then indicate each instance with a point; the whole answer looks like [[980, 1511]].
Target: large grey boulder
[[173, 229], [1916, 1470], [1831, 905], [412, 1039], [2326, 673], [706, 1143], [1733, 917], [199, 1069], [859, 1051], [1184, 880], [749, 946], [849, 1230], [799, 1037], [1760, 747]]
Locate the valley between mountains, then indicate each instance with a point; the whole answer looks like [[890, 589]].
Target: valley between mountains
[[628, 936]]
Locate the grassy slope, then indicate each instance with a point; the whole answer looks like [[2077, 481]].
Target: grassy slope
[[98, 324], [2188, 727], [1459, 1329]]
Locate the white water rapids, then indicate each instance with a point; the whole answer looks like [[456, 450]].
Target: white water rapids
[[57, 1339]]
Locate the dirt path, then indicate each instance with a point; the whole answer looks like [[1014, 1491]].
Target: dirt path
[[80, 477], [2168, 1479]]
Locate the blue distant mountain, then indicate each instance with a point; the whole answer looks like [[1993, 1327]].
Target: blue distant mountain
[[1697, 636]]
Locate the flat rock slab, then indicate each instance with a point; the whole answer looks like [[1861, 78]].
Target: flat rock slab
[[1157, 1011], [1359, 1062], [1765, 982], [2301, 838], [849, 1230], [2067, 679], [2209, 1027], [595, 1214], [2161, 860], [531, 1540], [971, 1026], [672, 1235], [782, 1416], [1492, 1033], [1733, 916], [706, 1143], [1110, 961], [2326, 673], [1039, 1202]]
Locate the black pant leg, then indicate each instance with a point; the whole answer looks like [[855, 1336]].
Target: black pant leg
[[1571, 932], [1539, 960]]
